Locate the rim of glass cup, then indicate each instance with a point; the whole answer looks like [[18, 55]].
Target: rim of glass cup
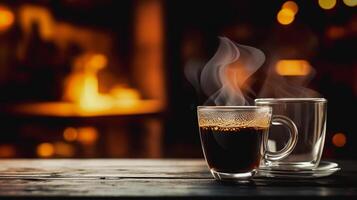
[[233, 108], [291, 100]]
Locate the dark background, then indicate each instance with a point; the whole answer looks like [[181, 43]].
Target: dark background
[[326, 38]]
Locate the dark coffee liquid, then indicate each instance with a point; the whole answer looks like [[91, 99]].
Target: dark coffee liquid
[[234, 150]]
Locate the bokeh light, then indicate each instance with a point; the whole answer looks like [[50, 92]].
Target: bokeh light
[[70, 134], [293, 67], [87, 135], [285, 16], [7, 151], [350, 3], [291, 5], [63, 149], [335, 32], [45, 150], [327, 4], [339, 139]]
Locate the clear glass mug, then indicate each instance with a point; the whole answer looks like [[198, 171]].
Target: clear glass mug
[[234, 139], [309, 115]]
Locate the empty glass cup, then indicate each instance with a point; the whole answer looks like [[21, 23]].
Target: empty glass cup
[[309, 115]]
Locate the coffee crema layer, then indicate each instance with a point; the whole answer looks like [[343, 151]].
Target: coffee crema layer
[[234, 119], [231, 130], [234, 123]]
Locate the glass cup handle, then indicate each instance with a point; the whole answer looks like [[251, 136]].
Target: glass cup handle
[[289, 147]]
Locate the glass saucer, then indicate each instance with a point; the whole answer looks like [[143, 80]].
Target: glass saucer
[[324, 169]]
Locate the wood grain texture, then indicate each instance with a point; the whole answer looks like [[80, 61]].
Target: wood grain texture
[[179, 179], [105, 168]]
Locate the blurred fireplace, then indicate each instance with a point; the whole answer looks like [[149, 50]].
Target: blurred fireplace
[[74, 96]]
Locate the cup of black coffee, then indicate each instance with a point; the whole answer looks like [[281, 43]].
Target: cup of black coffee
[[234, 139]]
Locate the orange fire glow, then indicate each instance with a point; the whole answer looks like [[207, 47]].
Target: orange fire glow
[[82, 86], [125, 96], [89, 97], [81, 95], [7, 18], [293, 67]]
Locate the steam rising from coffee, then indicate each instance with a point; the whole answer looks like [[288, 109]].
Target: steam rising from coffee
[[222, 78], [278, 86]]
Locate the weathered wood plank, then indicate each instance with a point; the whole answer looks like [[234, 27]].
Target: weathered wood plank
[[96, 178], [60, 168], [157, 187]]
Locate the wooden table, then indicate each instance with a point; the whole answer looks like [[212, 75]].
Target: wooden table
[[140, 178]]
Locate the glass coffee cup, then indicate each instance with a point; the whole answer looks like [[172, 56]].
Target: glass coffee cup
[[309, 116], [234, 139]]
